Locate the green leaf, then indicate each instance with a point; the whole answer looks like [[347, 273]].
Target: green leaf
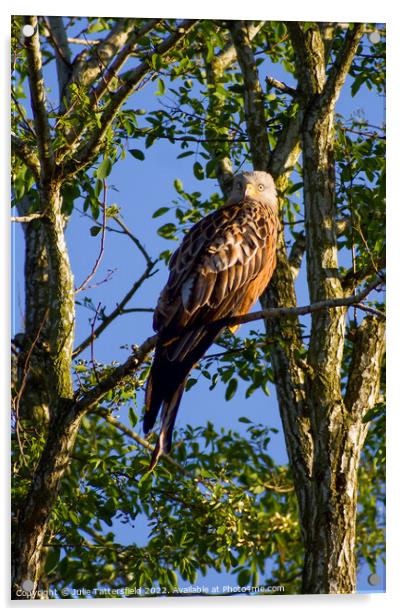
[[231, 389], [160, 212], [178, 184], [52, 559], [104, 169], [244, 577], [245, 420], [161, 88], [132, 417], [198, 171], [94, 231], [138, 154]]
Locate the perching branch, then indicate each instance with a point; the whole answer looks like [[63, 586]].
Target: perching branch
[[90, 399], [275, 313]]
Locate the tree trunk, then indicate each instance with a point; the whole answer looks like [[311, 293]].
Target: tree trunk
[[51, 305], [323, 436]]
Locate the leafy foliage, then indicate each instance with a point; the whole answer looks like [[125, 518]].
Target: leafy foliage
[[223, 504]]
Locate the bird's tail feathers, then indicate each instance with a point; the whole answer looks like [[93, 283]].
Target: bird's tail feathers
[[169, 412]]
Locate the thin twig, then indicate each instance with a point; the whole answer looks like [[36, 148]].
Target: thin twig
[[370, 310], [102, 244], [92, 342], [135, 239], [107, 320]]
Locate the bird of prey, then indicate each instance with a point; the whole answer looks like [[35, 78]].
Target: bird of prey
[[220, 269]]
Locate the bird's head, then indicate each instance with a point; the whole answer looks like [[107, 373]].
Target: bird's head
[[255, 185]]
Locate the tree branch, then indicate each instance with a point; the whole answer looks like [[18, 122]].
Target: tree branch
[[84, 284], [279, 85], [296, 254], [28, 217], [253, 96], [107, 320], [338, 73], [275, 313], [26, 155], [121, 57], [150, 263], [90, 63], [138, 439], [38, 100], [365, 368], [131, 79], [309, 57], [90, 399], [58, 38]]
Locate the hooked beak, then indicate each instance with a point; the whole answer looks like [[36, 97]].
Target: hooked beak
[[250, 191]]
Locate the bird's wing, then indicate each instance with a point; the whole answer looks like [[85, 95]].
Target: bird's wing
[[217, 257]]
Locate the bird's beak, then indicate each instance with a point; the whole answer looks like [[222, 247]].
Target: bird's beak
[[249, 191]]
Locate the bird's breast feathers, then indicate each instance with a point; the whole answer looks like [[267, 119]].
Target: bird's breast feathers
[[217, 261]]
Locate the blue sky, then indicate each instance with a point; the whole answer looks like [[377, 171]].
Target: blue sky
[[139, 188]]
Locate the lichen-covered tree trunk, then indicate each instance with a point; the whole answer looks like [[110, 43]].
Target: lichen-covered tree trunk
[[323, 435], [50, 293]]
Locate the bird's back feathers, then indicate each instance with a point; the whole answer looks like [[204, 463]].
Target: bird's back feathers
[[222, 266]]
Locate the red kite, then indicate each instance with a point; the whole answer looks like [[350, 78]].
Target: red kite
[[220, 269]]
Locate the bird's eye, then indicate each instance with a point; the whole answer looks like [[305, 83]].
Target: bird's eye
[[240, 184], [261, 187]]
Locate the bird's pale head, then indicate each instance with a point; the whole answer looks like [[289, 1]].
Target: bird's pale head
[[256, 185]]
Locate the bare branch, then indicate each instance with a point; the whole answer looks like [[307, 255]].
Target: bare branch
[[28, 217], [107, 320], [85, 42], [143, 251], [279, 85], [371, 310], [275, 313], [102, 244], [38, 100]]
